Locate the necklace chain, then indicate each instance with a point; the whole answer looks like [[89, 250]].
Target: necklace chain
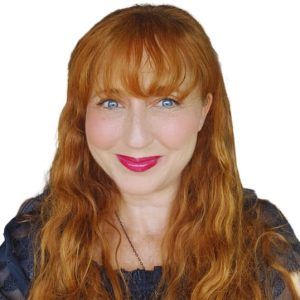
[[135, 252]]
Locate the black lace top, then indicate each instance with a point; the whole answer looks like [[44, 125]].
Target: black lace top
[[16, 256]]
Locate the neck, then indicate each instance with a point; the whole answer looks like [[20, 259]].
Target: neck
[[147, 214]]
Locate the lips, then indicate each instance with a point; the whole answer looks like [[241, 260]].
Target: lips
[[138, 164], [138, 160]]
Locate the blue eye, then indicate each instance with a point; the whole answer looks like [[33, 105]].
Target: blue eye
[[111, 103], [168, 102]]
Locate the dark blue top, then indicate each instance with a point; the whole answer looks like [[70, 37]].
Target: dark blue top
[[16, 256]]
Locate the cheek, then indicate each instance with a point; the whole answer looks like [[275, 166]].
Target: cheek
[[178, 131], [101, 132]]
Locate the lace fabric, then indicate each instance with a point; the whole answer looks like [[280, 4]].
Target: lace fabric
[[16, 256], [142, 283]]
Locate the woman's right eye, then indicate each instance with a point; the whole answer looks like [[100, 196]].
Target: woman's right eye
[[109, 103]]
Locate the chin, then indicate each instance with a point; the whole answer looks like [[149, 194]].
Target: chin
[[137, 189]]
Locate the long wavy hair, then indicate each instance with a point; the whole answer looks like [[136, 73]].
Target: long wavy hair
[[213, 248]]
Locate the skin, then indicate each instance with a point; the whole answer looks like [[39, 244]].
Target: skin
[[140, 128], [145, 128]]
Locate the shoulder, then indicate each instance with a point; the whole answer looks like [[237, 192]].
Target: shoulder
[[274, 220], [16, 252]]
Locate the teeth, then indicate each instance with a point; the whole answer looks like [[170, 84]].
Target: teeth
[[141, 164], [138, 165]]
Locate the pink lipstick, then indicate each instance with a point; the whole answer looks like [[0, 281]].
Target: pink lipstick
[[138, 164]]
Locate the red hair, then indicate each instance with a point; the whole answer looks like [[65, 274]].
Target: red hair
[[212, 245]]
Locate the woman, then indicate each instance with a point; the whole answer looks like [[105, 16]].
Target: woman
[[144, 198]]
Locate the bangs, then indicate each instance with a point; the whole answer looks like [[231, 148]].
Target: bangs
[[145, 46]]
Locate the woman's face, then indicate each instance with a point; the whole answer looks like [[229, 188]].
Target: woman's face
[[137, 128]]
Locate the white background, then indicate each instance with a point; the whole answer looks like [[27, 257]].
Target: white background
[[258, 46]]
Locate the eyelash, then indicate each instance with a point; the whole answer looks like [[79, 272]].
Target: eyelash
[[101, 102]]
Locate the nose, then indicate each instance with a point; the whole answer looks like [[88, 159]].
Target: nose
[[138, 128]]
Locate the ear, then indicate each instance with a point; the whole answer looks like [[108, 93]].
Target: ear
[[206, 104]]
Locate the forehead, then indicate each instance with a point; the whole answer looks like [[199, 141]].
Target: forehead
[[145, 80], [145, 76], [120, 92]]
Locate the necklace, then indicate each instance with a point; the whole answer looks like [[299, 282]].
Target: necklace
[[134, 251]]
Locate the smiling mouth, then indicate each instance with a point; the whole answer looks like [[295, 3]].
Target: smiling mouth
[[138, 164]]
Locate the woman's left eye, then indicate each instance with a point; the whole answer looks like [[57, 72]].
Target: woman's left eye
[[168, 103]]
